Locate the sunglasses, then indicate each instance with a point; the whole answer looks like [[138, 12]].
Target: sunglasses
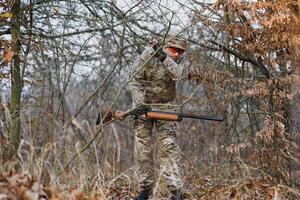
[[176, 50]]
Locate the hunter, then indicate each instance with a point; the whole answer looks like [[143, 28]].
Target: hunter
[[154, 83]]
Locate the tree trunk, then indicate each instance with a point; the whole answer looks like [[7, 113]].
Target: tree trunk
[[295, 90], [16, 82]]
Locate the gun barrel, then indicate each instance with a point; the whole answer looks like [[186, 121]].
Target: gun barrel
[[204, 117]]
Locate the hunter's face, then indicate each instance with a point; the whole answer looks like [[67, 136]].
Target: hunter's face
[[174, 53]]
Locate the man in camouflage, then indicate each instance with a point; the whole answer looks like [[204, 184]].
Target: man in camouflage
[[154, 82]]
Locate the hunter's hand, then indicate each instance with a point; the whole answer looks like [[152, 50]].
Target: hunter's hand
[[157, 44], [120, 115], [161, 55]]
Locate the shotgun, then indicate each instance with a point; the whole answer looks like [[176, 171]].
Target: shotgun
[[148, 113]]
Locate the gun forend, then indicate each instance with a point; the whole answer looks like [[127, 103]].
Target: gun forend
[[162, 116]]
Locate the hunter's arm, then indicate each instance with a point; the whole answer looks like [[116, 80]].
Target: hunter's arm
[[177, 69], [138, 79]]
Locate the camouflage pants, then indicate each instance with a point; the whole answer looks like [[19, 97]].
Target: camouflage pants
[[169, 153]]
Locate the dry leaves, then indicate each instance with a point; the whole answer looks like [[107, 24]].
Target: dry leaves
[[20, 186], [6, 15], [7, 57], [208, 188]]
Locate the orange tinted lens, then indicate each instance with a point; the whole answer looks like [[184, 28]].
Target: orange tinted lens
[[176, 50]]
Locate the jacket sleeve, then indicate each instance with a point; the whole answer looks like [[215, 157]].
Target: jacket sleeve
[[138, 81], [177, 69]]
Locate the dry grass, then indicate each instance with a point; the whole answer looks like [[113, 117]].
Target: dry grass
[[97, 174], [23, 186]]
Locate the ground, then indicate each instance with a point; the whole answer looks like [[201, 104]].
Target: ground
[[24, 186]]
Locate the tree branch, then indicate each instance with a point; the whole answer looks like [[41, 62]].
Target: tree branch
[[258, 63], [5, 32], [75, 32]]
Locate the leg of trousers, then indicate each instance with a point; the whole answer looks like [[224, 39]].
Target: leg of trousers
[[169, 154], [144, 152]]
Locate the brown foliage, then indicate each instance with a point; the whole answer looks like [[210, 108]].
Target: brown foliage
[[259, 33], [8, 55], [20, 186]]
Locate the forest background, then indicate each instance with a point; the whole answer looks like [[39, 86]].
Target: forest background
[[63, 61]]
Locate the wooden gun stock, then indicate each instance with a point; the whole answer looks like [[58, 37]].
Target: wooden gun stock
[[162, 116]]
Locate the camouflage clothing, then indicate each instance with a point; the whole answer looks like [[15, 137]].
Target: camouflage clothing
[[155, 82], [169, 153]]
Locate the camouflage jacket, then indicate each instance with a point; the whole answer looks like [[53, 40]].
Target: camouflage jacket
[[155, 82]]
